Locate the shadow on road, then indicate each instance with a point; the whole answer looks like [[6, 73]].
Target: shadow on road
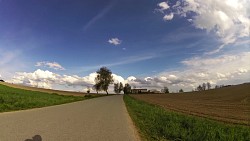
[[35, 138]]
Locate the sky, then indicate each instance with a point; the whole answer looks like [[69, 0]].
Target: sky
[[60, 44]]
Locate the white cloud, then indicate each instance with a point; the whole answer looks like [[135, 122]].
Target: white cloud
[[224, 69], [131, 78], [39, 78], [115, 41], [52, 65], [168, 17], [50, 80], [163, 6], [228, 19]]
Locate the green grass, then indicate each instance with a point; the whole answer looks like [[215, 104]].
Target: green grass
[[12, 99], [156, 123]]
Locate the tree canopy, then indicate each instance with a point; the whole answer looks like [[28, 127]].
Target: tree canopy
[[118, 87], [127, 89], [165, 90], [103, 79]]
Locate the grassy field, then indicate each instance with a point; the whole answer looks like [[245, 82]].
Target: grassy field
[[157, 123], [12, 99], [228, 104], [43, 90]]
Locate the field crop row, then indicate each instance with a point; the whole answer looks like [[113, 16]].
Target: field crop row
[[229, 104], [156, 123]]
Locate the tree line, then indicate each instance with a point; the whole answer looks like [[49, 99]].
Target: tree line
[[104, 78]]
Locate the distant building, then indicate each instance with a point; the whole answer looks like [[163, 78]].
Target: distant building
[[154, 91], [139, 91]]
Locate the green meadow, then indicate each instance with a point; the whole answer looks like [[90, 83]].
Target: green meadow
[[12, 99]]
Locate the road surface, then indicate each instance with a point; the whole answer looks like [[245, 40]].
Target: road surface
[[98, 119]]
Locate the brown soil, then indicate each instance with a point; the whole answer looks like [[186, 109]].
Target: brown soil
[[228, 104]]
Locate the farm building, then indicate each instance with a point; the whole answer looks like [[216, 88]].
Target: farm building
[[139, 91]]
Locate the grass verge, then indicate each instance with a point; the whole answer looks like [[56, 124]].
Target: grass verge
[[155, 123], [12, 99]]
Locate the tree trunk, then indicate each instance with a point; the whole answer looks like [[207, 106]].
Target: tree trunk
[[107, 92]]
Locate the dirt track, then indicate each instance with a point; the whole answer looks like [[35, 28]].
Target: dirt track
[[99, 119], [229, 104]]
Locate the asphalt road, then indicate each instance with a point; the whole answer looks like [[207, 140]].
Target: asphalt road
[[98, 119]]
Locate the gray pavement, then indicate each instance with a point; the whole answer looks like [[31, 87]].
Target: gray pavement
[[99, 119]]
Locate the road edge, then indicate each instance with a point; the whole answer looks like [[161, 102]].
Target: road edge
[[131, 123]]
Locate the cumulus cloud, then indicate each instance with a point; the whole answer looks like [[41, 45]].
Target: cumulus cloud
[[39, 78], [115, 41], [163, 6], [52, 65], [47, 79], [225, 69], [168, 17], [228, 19]]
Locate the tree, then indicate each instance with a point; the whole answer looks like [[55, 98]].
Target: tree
[[120, 87], [217, 86], [204, 86], [104, 78], [199, 88], [97, 88], [88, 90], [208, 86], [165, 90], [127, 89], [116, 88], [181, 91]]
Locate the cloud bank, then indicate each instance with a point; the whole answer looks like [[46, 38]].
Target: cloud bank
[[225, 69]]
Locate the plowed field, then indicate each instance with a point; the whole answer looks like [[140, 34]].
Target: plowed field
[[228, 104]]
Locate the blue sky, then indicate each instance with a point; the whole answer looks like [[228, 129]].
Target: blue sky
[[138, 39]]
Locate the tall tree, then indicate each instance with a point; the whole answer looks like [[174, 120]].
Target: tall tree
[[208, 86], [116, 88], [104, 78], [165, 90], [127, 89], [199, 88], [181, 91], [204, 86], [120, 87]]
